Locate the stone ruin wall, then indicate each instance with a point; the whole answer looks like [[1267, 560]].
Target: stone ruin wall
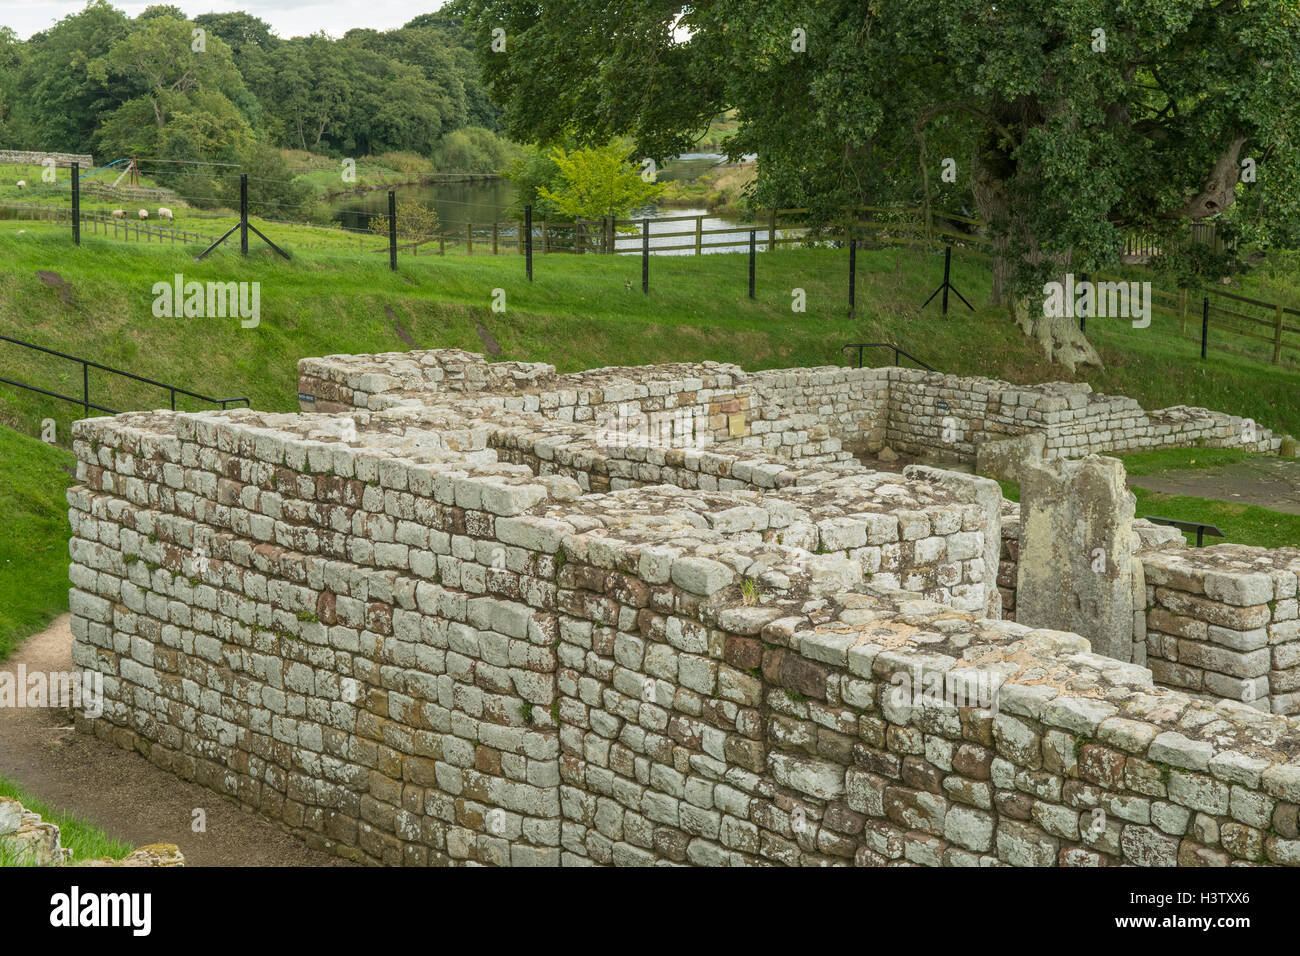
[[408, 650], [1074, 420], [1218, 621], [927, 414], [1223, 621]]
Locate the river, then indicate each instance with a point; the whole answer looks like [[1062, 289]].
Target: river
[[484, 202]]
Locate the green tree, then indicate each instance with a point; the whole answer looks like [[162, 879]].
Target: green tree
[[597, 181], [1070, 121], [60, 101], [475, 150], [177, 89], [11, 57], [415, 221]]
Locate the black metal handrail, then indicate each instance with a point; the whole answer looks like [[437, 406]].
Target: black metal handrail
[[1200, 527], [885, 345], [87, 365]]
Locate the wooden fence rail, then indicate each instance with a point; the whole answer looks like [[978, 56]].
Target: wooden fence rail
[[102, 224]]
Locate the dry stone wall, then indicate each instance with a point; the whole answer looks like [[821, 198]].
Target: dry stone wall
[[1222, 621], [947, 416], [36, 158], [794, 413], [445, 625]]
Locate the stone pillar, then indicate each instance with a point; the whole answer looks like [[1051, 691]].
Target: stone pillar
[[1076, 551]]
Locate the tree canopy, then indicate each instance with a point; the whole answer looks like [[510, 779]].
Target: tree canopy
[[1068, 122], [100, 81]]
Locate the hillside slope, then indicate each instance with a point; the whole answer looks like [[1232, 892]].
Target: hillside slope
[[582, 311], [34, 541]]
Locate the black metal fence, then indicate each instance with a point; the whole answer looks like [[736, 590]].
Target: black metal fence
[[87, 403]]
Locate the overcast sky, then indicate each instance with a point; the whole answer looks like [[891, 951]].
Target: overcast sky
[[288, 18]]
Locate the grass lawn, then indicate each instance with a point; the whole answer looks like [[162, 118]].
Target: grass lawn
[[86, 840], [1240, 524], [34, 543], [1183, 459]]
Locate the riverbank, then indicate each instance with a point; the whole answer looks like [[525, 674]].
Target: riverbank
[[721, 190]]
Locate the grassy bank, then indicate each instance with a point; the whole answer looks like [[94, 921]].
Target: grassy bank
[[581, 311], [34, 545]]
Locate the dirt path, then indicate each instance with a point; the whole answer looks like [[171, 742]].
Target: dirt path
[[122, 793], [1272, 483]]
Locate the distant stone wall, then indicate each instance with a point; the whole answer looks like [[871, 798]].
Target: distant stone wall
[[1223, 621], [947, 416], [851, 404], [36, 158], [796, 413]]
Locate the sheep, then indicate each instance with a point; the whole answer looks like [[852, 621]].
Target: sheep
[[22, 184], [164, 212], [144, 213], [119, 213]]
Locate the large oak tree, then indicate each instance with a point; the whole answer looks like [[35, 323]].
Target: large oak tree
[[1070, 121]]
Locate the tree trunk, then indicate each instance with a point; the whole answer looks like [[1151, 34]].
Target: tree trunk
[[1007, 221], [1058, 337]]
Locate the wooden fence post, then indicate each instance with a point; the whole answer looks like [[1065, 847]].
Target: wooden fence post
[[469, 237], [494, 237], [771, 232], [699, 233], [1277, 336]]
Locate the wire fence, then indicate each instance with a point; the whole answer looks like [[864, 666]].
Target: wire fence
[[1268, 331], [105, 224]]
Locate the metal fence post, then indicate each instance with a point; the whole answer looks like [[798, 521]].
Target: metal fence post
[[645, 255], [1205, 323], [76, 203], [947, 269], [752, 235], [1083, 316], [853, 273], [392, 230], [243, 215]]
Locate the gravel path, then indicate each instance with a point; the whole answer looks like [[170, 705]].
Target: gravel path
[[122, 793], [1272, 483]]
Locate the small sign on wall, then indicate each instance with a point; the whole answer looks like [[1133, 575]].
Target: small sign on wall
[[305, 397], [736, 424]]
